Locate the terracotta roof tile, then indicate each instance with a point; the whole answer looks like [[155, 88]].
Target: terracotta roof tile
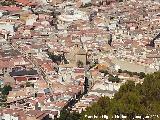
[[20, 79], [10, 8]]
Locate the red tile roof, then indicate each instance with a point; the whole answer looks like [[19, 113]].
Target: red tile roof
[[47, 67], [20, 79], [10, 8], [5, 64], [61, 104], [79, 70], [14, 112], [37, 113]]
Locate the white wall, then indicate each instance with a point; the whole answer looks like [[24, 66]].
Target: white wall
[[42, 1], [30, 21], [14, 118], [7, 26], [1, 14], [9, 117], [86, 1]]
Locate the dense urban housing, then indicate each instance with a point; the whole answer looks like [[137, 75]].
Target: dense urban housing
[[79, 59]]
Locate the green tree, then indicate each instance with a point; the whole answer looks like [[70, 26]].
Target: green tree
[[28, 84], [6, 89], [127, 87], [55, 58], [80, 64], [63, 115], [131, 100], [114, 79], [66, 115], [141, 75], [105, 72]]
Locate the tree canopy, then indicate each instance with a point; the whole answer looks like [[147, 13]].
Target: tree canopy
[[66, 115], [141, 75], [131, 100], [5, 90]]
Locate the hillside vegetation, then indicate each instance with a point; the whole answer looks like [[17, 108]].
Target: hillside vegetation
[[131, 100]]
